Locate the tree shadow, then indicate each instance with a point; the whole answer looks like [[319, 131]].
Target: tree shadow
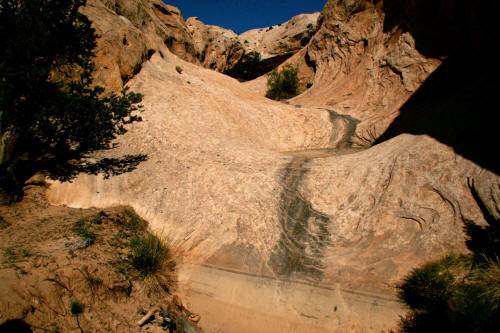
[[15, 325], [482, 241], [107, 166]]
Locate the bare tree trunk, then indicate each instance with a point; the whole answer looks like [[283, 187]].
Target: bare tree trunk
[[11, 182]]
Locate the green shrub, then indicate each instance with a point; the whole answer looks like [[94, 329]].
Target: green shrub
[[488, 280], [52, 116], [76, 308], [149, 254], [458, 293], [283, 84], [452, 295], [178, 69]]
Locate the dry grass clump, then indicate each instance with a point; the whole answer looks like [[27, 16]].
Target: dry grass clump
[[149, 254]]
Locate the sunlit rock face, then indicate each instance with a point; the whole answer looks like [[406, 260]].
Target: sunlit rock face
[[357, 66], [131, 32], [221, 49], [282, 219]]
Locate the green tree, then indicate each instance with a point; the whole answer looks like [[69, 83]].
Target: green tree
[[51, 116], [283, 84]]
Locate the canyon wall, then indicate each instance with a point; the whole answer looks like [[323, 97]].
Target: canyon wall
[[221, 49], [282, 217]]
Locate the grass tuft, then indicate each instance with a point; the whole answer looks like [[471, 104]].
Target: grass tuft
[[82, 229], [149, 254]]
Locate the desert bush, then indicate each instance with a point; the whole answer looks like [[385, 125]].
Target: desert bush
[[283, 84], [458, 293], [149, 254], [452, 295], [178, 69], [76, 308]]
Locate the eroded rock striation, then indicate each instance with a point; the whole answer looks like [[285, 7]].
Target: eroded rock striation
[[285, 222], [358, 67]]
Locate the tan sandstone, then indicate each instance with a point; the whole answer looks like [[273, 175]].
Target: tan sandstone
[[286, 224], [220, 48]]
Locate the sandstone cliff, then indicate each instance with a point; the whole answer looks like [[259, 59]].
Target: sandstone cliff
[[220, 48], [357, 67], [131, 32], [285, 223]]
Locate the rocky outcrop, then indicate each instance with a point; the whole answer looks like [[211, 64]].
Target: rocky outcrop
[[358, 67], [216, 48], [221, 49], [130, 33], [284, 222]]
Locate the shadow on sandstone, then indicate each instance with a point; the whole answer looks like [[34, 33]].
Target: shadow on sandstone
[[456, 104]]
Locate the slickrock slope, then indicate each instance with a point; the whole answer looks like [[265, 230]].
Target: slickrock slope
[[284, 223], [220, 48]]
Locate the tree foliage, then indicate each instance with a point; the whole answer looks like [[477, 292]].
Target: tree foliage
[[250, 66], [283, 84], [458, 293], [51, 115]]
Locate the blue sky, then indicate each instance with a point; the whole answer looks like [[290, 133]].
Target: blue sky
[[243, 15]]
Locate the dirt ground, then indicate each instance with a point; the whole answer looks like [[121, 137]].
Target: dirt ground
[[68, 270]]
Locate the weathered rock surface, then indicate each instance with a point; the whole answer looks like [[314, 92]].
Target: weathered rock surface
[[217, 185], [357, 67], [131, 32], [284, 223], [218, 48]]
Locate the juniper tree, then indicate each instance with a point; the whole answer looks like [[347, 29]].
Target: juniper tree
[[51, 115]]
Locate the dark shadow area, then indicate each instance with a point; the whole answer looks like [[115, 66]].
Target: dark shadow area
[[444, 27], [483, 242], [107, 166], [15, 326], [456, 104], [251, 66], [457, 293]]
